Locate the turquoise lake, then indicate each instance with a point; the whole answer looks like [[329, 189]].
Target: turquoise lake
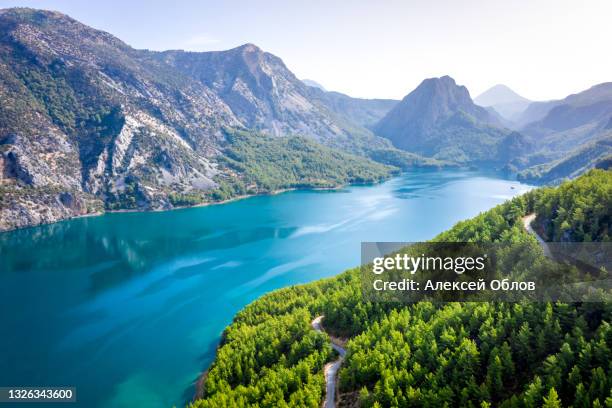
[[129, 307]]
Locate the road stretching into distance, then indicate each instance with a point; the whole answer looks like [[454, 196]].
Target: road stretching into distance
[[331, 369]]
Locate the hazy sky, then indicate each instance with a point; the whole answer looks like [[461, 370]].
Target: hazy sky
[[542, 49]]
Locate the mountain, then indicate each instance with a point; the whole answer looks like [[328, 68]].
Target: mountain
[[314, 84], [499, 118], [504, 100], [561, 129], [440, 120], [260, 90], [597, 154], [572, 111], [88, 123], [364, 112], [84, 119], [582, 114], [534, 112]]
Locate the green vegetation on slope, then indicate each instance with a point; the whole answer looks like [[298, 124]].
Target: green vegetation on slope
[[405, 160], [424, 354], [266, 163], [577, 162], [577, 211]]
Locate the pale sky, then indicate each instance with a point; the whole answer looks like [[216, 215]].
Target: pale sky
[[382, 49]]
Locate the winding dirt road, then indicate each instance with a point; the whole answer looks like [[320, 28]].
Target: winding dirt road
[[527, 220], [331, 369]]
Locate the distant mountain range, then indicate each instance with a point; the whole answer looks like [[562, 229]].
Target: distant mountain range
[[504, 101], [597, 154], [583, 114], [88, 124], [544, 142], [570, 135], [364, 112]]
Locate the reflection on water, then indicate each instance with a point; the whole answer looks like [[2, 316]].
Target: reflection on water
[[129, 307], [110, 254]]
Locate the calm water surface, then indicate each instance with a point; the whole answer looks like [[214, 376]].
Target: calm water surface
[[129, 307]]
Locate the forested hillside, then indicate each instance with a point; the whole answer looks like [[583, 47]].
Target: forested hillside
[[569, 136], [264, 163], [425, 354], [595, 154]]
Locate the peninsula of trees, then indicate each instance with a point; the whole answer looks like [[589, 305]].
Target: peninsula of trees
[[433, 354]]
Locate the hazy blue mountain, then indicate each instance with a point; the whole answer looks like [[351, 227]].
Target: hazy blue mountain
[[534, 112], [499, 118], [591, 105], [314, 84], [504, 100], [576, 105], [596, 154], [365, 112], [439, 119], [569, 136], [566, 124]]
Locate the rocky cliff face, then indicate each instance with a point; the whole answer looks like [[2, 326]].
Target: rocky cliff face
[[258, 88], [84, 114], [266, 96]]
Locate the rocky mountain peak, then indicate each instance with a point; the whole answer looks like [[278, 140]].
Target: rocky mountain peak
[[37, 16], [441, 113], [249, 48], [441, 96], [51, 34], [434, 100]]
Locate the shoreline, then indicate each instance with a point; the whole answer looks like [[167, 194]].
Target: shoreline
[[203, 204], [199, 378], [231, 199], [199, 385]]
